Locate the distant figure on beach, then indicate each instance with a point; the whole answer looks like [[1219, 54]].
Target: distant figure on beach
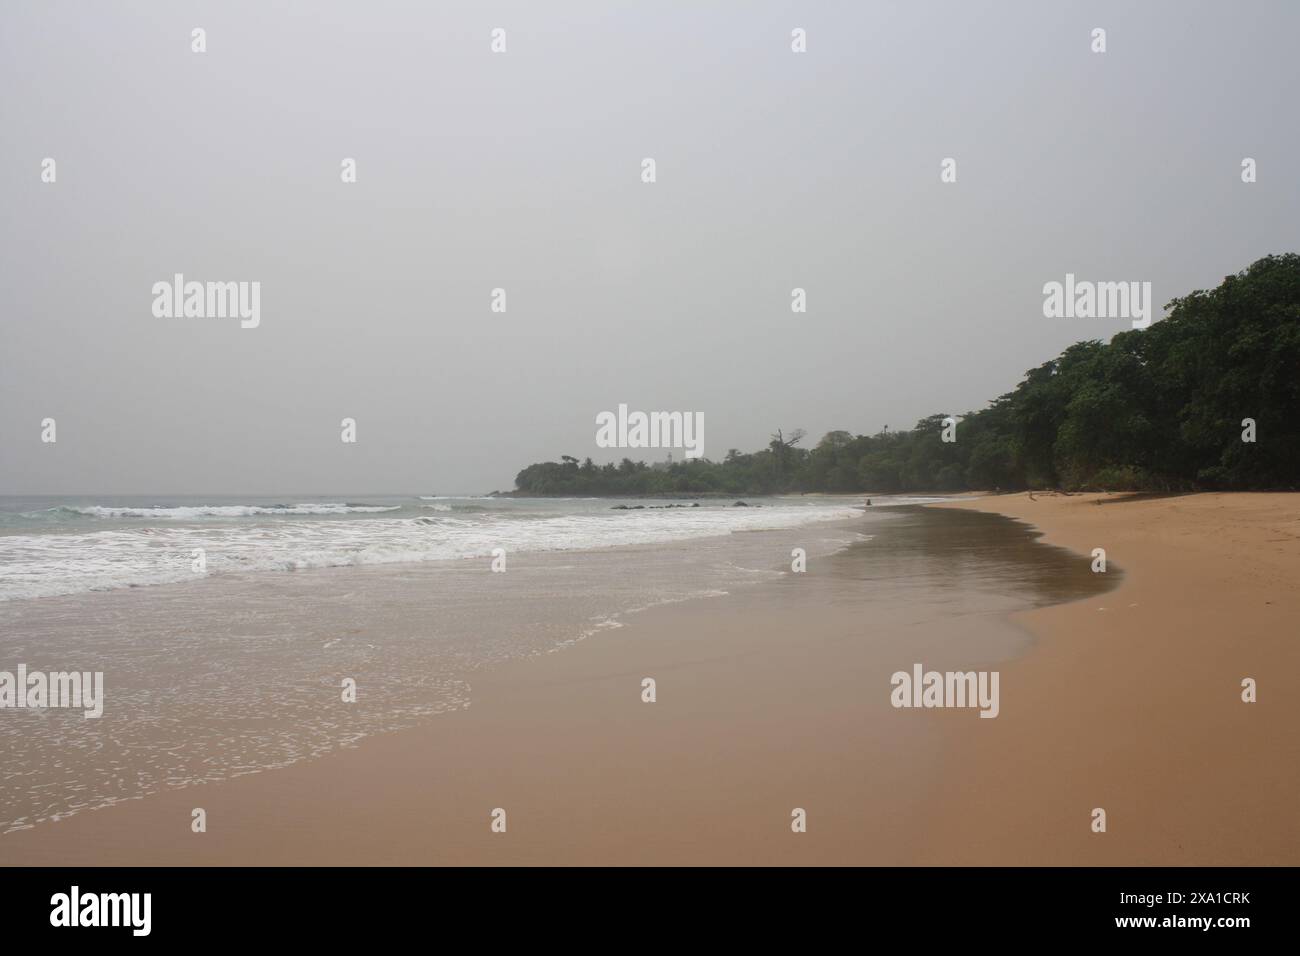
[[868, 502]]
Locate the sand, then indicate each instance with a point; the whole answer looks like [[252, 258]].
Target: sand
[[1132, 702], [776, 698]]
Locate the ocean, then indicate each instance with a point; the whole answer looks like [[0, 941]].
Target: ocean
[[244, 666], [238, 667], [59, 546]]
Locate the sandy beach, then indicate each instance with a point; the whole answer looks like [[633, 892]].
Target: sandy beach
[[602, 436], [776, 697], [1132, 702]]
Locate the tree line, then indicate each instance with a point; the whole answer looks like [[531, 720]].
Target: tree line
[[1208, 398]]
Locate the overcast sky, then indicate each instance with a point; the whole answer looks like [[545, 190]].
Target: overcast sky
[[522, 171]]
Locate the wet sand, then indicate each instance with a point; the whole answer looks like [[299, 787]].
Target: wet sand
[[773, 698], [777, 697], [1132, 702]]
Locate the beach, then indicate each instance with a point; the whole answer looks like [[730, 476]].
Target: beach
[[1133, 702], [775, 697]]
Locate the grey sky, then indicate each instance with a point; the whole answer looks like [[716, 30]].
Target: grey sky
[[522, 171]]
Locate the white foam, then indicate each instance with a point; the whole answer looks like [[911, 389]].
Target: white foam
[[43, 565], [233, 511]]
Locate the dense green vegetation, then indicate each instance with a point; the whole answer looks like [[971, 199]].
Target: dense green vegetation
[[1154, 409]]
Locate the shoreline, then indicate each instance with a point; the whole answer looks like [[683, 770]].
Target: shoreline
[[1137, 708], [775, 697]]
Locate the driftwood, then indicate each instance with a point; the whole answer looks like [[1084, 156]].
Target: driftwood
[[1053, 493]]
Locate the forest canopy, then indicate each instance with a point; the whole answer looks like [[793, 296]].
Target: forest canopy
[[1161, 408]]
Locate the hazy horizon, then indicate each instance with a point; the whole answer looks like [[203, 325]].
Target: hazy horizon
[[522, 171]]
